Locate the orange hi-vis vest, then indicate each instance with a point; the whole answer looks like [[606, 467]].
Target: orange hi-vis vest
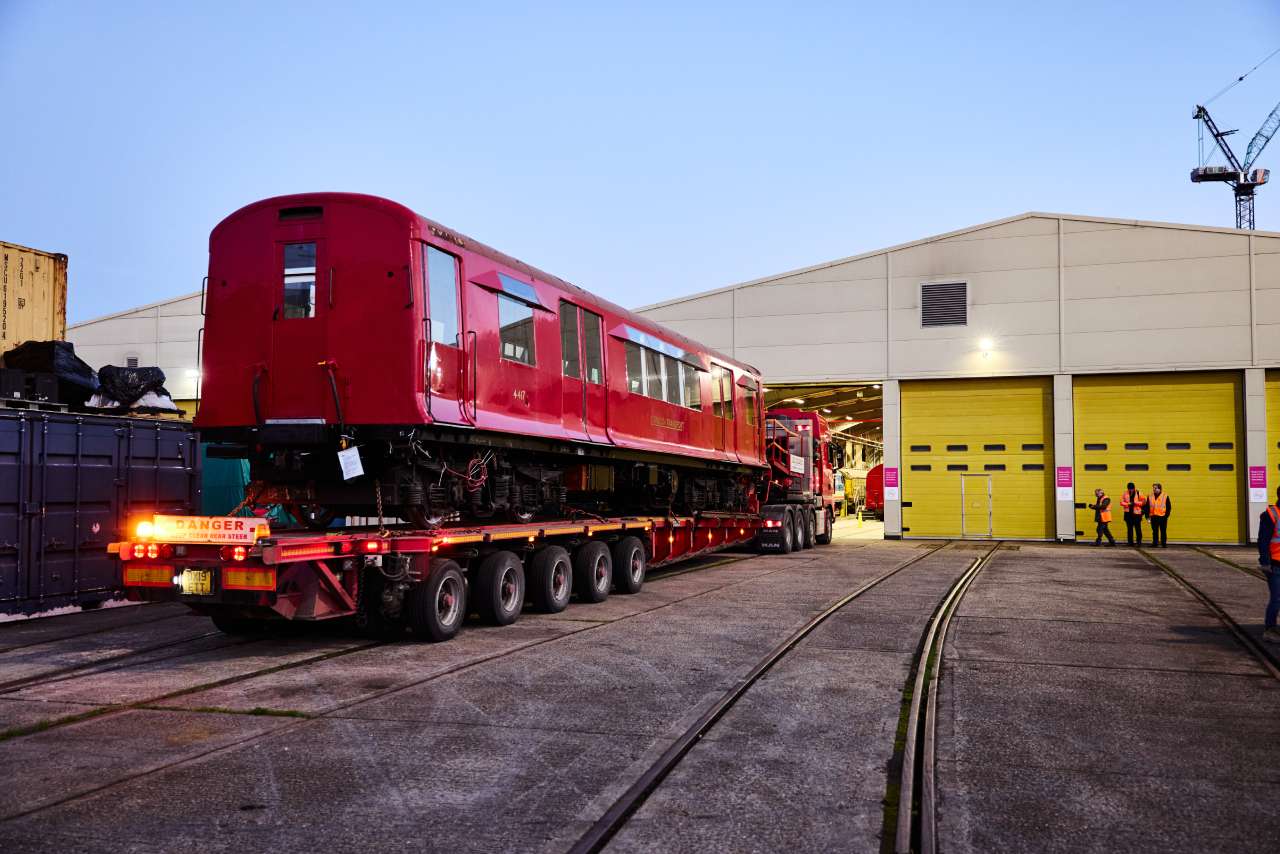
[[1104, 512], [1136, 505], [1159, 503], [1275, 533]]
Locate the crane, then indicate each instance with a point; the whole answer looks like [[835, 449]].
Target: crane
[[1241, 175]]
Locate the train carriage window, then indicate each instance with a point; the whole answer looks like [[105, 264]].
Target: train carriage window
[[721, 393], [594, 363], [515, 329], [691, 387], [442, 295], [635, 369], [569, 339], [749, 404], [652, 373], [299, 280], [671, 380]]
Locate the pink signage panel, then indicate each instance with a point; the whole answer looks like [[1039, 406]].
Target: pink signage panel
[[1257, 477], [1065, 476], [890, 477]]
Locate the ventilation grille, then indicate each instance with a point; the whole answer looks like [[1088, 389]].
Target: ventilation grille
[[304, 212], [944, 304]]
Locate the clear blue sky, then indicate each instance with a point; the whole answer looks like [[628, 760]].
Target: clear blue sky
[[643, 153]]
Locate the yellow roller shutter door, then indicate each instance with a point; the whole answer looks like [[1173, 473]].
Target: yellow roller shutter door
[[1273, 434], [1183, 430], [977, 458]]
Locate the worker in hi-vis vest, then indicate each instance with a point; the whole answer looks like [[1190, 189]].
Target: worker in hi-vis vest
[[1102, 517], [1269, 559], [1134, 505], [1159, 509]]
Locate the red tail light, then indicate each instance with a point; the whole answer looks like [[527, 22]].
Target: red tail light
[[139, 551], [235, 553], [375, 547], [153, 551], [166, 550]]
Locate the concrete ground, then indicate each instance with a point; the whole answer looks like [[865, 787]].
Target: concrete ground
[[1087, 703]]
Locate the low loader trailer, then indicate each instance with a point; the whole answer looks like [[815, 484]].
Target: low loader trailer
[[244, 576]]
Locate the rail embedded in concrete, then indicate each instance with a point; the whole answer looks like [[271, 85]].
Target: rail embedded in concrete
[[616, 816], [917, 816]]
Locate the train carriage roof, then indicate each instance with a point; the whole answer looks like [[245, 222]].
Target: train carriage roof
[[440, 230]]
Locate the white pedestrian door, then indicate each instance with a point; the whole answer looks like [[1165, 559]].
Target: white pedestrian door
[[975, 506]]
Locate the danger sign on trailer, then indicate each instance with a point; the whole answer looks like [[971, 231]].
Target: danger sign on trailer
[[231, 530]]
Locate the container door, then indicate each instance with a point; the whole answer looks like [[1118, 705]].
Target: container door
[[574, 389], [442, 278], [975, 506], [13, 478], [298, 382]]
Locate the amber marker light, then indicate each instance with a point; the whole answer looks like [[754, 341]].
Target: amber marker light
[[145, 529]]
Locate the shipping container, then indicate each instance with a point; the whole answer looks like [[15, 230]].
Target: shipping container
[[69, 484], [33, 296]]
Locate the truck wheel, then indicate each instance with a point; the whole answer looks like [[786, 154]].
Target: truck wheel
[[786, 534], [629, 565], [797, 530], [437, 606], [810, 522], [499, 588], [592, 571], [550, 579], [824, 539]]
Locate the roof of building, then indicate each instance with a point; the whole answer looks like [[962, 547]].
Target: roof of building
[[967, 230], [134, 310]]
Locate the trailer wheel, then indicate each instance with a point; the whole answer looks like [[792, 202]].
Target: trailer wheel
[[629, 565], [809, 522], [550, 579], [437, 606], [824, 539], [592, 571], [499, 588], [229, 623]]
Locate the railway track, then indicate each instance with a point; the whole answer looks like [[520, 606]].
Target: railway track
[[17, 627], [615, 817], [1247, 570], [1252, 645], [916, 815]]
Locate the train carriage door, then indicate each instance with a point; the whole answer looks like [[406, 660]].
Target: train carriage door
[[594, 391], [574, 392], [297, 390], [442, 328], [749, 421], [722, 407]]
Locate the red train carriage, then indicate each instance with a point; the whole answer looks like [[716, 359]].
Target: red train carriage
[[470, 385]]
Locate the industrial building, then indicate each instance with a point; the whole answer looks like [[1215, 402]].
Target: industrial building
[[1012, 367], [162, 334]]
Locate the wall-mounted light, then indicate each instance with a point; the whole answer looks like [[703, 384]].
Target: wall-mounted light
[[986, 345], [828, 411], [875, 385]]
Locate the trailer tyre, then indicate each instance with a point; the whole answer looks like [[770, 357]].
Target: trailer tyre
[[437, 606], [592, 571], [629, 565], [499, 588], [550, 579], [824, 539]]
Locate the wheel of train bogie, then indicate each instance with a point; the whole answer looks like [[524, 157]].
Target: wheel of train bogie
[[592, 571], [824, 539], [810, 524], [629, 565], [436, 606], [550, 579], [498, 589], [312, 516]]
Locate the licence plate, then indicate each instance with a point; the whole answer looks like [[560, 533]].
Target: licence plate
[[196, 582]]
